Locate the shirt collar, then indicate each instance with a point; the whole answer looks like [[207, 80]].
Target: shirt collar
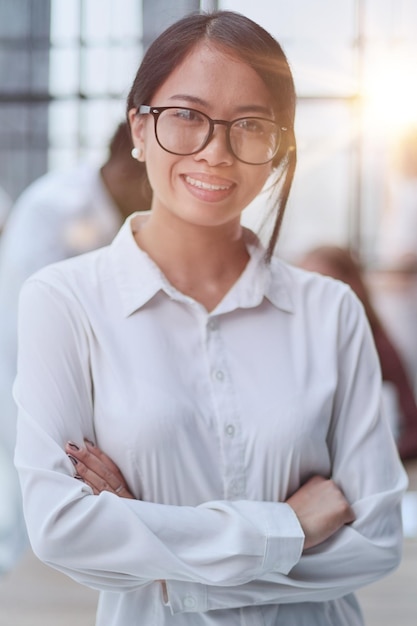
[[139, 279]]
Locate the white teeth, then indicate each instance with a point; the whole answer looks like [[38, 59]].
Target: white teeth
[[201, 185]]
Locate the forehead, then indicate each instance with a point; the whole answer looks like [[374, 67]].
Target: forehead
[[216, 76]]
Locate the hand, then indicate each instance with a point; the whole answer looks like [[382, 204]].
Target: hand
[[97, 470], [321, 508]]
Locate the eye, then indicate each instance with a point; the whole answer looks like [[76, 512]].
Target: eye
[[251, 125], [188, 115]]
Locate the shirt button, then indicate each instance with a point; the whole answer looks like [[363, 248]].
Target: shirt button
[[189, 602], [230, 430], [212, 324], [219, 375], [237, 487]]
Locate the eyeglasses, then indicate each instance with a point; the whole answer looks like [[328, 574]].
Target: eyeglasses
[[182, 131]]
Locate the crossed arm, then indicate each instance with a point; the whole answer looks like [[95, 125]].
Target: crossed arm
[[251, 550], [319, 504]]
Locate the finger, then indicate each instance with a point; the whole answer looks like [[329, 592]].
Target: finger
[[81, 479], [103, 458], [93, 470], [97, 469], [90, 460], [112, 472], [95, 480]]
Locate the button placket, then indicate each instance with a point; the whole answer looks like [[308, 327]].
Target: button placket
[[227, 413]]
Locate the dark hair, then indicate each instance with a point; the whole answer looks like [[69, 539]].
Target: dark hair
[[241, 37], [121, 142], [120, 160]]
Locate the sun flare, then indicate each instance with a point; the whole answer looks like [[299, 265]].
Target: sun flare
[[390, 93]]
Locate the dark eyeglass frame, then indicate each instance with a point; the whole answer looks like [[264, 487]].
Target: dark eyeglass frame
[[145, 109]]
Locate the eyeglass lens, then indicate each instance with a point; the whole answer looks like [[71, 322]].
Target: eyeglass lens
[[186, 131]]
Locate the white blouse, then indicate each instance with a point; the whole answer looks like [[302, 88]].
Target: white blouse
[[214, 420]]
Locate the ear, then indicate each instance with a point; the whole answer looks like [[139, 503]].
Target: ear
[[137, 124]]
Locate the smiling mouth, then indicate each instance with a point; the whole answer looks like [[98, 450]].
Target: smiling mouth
[[207, 186]]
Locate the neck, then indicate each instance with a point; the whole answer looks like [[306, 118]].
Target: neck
[[202, 262]]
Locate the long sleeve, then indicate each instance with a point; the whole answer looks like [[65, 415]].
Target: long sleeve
[[365, 465], [21, 253], [105, 541], [33, 238]]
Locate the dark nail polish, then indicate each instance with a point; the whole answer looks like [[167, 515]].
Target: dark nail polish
[[78, 477], [72, 459], [73, 445]]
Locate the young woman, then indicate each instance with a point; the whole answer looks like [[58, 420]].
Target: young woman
[[231, 400]]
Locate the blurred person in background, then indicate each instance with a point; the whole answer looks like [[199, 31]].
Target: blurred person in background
[[397, 250], [60, 215], [5, 206], [340, 263]]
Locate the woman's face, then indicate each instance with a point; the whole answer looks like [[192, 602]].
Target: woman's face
[[210, 188]]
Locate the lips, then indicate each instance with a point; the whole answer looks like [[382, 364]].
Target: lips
[[208, 186]]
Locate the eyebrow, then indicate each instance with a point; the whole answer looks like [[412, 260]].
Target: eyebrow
[[196, 101]]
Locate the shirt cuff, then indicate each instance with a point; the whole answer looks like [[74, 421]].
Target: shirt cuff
[[186, 597], [284, 546], [285, 538]]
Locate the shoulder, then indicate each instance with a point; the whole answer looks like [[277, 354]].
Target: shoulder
[[69, 294], [309, 287], [59, 304], [319, 304], [73, 278]]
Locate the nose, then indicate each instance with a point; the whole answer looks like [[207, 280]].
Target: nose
[[217, 151]]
